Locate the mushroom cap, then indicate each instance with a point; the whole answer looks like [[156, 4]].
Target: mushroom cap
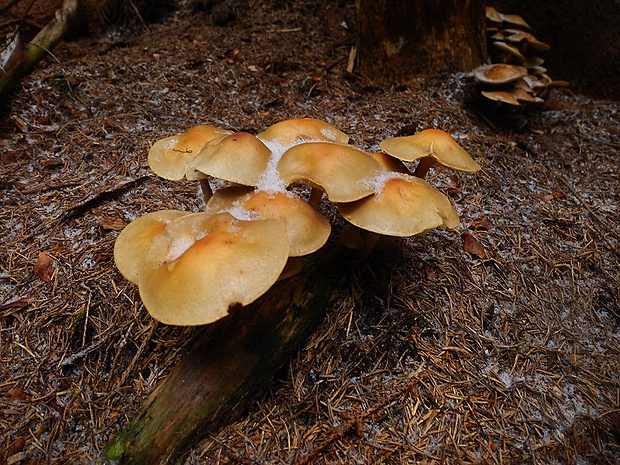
[[531, 61], [168, 157], [239, 157], [500, 96], [390, 163], [342, 171], [200, 265], [431, 142], [295, 131], [523, 96], [530, 39], [511, 49], [134, 239], [514, 20], [403, 206], [500, 73], [306, 229], [492, 14]]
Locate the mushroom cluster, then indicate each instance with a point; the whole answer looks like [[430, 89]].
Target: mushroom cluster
[[516, 75], [190, 268]]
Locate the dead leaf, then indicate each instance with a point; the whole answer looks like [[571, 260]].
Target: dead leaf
[[113, 224], [543, 197], [44, 267], [285, 81], [480, 224], [473, 246]]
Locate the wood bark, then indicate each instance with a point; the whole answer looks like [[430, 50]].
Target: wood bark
[[403, 38], [25, 58], [232, 362]]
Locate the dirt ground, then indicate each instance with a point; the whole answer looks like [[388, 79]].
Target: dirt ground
[[510, 354]]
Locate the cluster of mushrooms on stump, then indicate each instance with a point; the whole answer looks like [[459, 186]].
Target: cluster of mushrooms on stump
[[190, 268], [516, 75]]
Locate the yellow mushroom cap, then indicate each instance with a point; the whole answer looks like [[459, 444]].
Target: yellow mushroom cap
[[431, 142], [200, 265], [134, 239], [403, 206], [168, 157], [294, 131], [239, 157], [306, 229], [342, 171], [389, 163]]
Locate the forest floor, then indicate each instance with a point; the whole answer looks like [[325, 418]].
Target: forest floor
[[510, 354]]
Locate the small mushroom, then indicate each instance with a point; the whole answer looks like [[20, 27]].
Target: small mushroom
[[430, 146], [500, 73], [239, 157], [200, 265], [135, 238], [492, 14], [514, 20], [511, 51], [339, 170], [523, 96], [306, 229], [500, 96], [168, 157], [528, 40], [295, 131]]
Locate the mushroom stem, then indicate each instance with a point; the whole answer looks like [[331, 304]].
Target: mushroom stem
[[423, 167], [370, 241], [207, 192], [316, 194]]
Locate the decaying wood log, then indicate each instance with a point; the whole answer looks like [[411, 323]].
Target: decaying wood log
[[231, 363], [25, 59]]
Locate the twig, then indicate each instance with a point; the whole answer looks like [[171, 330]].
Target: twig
[[355, 419], [69, 360], [99, 197]]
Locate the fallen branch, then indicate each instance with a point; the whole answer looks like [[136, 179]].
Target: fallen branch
[[24, 60], [232, 362]]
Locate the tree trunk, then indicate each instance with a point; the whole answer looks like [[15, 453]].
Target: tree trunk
[[232, 362], [25, 59], [402, 38]]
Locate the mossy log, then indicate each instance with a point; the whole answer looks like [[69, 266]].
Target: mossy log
[[25, 58], [232, 362]]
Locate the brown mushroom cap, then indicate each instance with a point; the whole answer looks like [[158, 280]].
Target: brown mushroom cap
[[239, 157], [500, 96], [403, 206], [530, 39], [523, 96], [434, 143], [306, 229], [514, 20], [510, 49], [340, 170], [295, 131], [168, 157], [134, 239], [200, 265], [500, 73], [492, 14]]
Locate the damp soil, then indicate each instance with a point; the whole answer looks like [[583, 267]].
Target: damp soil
[[513, 317]]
